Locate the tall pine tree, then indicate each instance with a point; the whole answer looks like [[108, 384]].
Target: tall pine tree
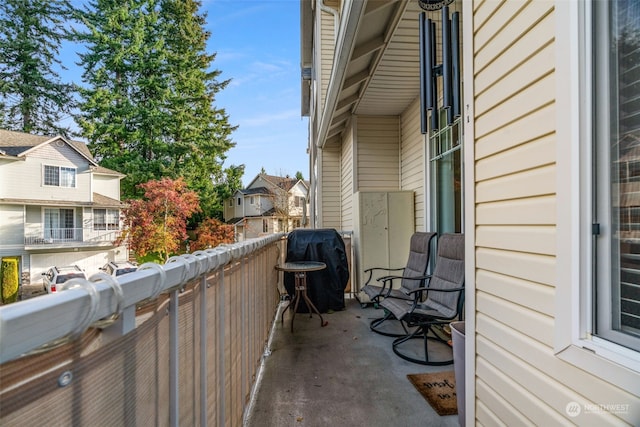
[[148, 105], [200, 131], [33, 98]]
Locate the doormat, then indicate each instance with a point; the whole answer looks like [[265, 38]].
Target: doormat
[[439, 389]]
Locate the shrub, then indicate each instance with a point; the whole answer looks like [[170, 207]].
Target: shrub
[[9, 279], [212, 233]]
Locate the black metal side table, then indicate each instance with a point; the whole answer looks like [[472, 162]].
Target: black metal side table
[[300, 270]]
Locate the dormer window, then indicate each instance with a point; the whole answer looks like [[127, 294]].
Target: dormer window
[[59, 176]]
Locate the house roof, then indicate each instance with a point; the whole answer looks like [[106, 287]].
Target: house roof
[[104, 171], [376, 68], [257, 190], [286, 183], [18, 144], [99, 201]]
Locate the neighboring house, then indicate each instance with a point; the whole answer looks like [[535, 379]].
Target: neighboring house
[[57, 205], [270, 204], [538, 170]]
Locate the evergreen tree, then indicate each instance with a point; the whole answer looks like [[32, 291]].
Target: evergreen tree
[[33, 99], [119, 111], [200, 132], [148, 105]]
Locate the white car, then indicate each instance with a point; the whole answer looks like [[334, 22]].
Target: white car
[[118, 268], [55, 276]]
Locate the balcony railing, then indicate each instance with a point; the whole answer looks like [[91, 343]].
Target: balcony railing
[[61, 236], [173, 344]]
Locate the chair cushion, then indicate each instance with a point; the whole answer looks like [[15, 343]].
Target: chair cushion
[[372, 291], [398, 307], [418, 261], [448, 274]]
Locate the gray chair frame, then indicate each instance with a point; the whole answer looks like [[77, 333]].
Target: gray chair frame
[[412, 277], [443, 301]]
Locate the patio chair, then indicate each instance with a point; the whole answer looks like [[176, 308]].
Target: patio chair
[[443, 302], [411, 276]]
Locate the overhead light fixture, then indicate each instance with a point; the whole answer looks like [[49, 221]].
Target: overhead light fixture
[[433, 4]]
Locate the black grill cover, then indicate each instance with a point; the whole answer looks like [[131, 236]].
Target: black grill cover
[[325, 288]]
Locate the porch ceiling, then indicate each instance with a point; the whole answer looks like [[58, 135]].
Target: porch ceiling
[[382, 74]]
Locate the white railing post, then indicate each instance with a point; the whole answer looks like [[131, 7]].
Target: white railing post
[[221, 352], [203, 350], [174, 400]]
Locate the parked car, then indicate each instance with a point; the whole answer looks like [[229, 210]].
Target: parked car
[[118, 268], [55, 276]]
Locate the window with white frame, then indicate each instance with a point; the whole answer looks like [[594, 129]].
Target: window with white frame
[[265, 226], [59, 223], [59, 176], [106, 219], [616, 172]]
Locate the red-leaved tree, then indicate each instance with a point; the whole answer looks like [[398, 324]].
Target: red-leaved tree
[[211, 233], [158, 222]]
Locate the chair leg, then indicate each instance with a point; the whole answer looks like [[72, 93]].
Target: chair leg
[[375, 323], [421, 331]]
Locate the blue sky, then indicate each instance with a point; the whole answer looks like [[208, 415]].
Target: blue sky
[[257, 47]]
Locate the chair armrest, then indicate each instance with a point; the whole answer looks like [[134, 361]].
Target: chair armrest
[[428, 289], [383, 268], [372, 269]]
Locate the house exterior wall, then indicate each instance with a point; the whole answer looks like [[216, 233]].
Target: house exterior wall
[[29, 173], [12, 225], [347, 179], [260, 204], [298, 191], [238, 203], [326, 49], [253, 227], [107, 185], [229, 209], [22, 226], [413, 163], [519, 373], [280, 201], [329, 203], [378, 154]]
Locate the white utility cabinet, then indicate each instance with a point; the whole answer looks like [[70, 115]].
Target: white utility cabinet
[[384, 222]]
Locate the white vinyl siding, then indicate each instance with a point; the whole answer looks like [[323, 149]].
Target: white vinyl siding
[[512, 171], [327, 48], [12, 225], [346, 180], [378, 153], [28, 174], [412, 169], [107, 185], [329, 209], [518, 376]]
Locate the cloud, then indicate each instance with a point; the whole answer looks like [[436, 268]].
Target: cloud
[[229, 56], [265, 119]]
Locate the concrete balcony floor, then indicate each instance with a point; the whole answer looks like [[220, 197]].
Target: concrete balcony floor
[[339, 375]]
